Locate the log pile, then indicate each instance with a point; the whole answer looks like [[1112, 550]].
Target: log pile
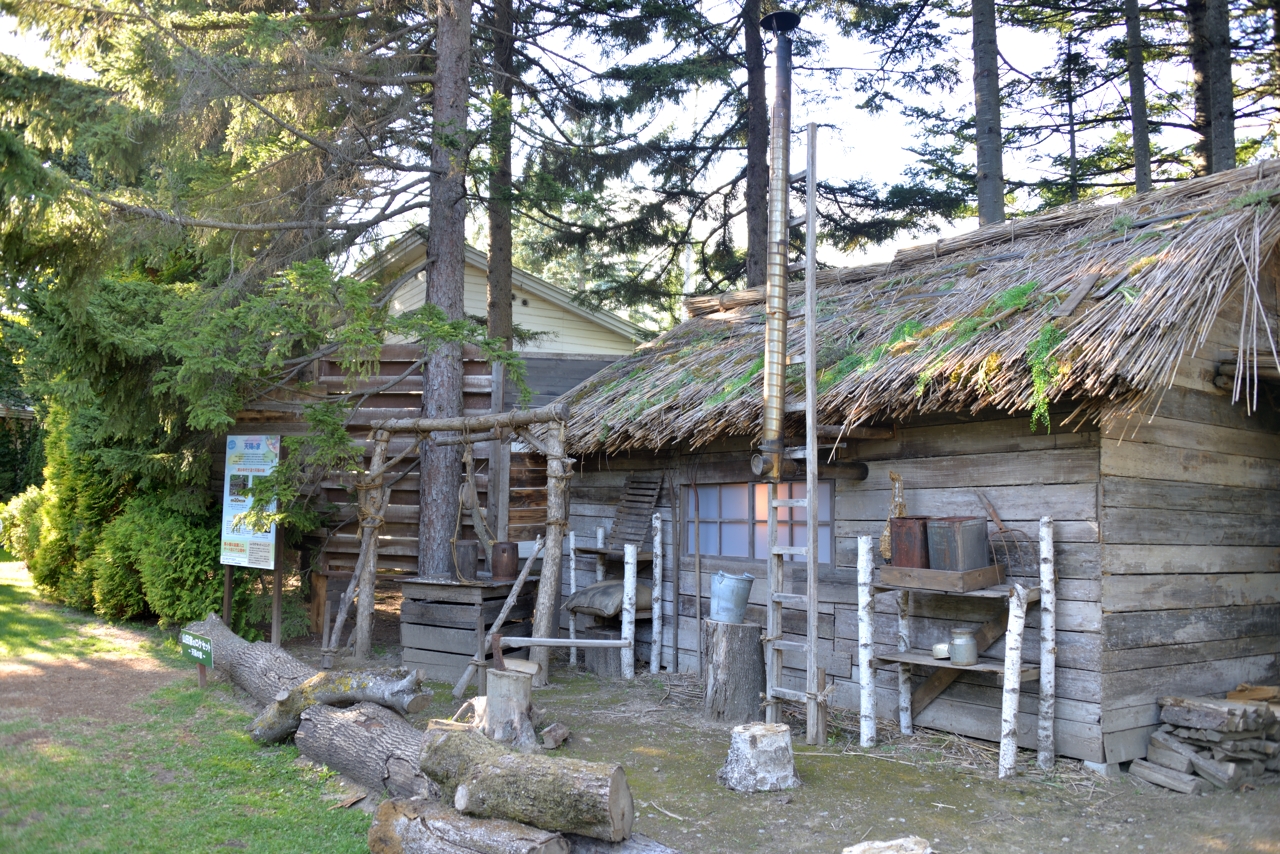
[[1205, 742]]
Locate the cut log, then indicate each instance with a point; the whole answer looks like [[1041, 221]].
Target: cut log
[[1158, 754], [504, 716], [280, 719], [416, 826], [370, 745], [637, 844], [1166, 777], [1212, 714], [485, 779], [760, 759], [1226, 775], [735, 672]]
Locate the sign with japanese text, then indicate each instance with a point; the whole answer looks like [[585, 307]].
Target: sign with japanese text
[[197, 647], [248, 458]]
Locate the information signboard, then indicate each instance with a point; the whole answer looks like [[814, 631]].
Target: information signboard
[[248, 458], [196, 647]]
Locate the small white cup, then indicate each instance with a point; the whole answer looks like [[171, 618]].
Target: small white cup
[[941, 650]]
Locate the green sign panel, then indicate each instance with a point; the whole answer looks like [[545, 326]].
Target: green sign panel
[[196, 647]]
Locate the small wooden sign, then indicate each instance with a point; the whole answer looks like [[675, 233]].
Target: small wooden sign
[[199, 648]]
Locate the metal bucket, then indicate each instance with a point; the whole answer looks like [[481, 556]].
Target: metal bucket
[[729, 595], [909, 541], [958, 543], [506, 559]]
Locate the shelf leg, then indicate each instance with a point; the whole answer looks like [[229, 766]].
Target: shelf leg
[[1048, 647], [904, 669], [1012, 681], [866, 662]]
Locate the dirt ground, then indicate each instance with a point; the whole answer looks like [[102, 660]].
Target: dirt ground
[[938, 787]]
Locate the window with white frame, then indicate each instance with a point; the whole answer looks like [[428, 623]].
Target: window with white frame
[[731, 520]]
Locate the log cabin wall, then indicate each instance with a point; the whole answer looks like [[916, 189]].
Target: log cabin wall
[[1025, 476], [1190, 512]]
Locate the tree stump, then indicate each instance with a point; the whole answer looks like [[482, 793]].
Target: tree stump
[[760, 759], [604, 662], [371, 745], [416, 826], [487, 780], [504, 714], [735, 672]]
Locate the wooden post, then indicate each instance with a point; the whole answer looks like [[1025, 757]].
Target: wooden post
[[735, 672], [226, 593], [866, 661], [573, 588], [499, 462], [599, 557], [904, 669], [277, 590], [201, 675], [1012, 681], [1048, 647], [677, 537], [655, 650], [373, 501], [629, 609], [545, 619]]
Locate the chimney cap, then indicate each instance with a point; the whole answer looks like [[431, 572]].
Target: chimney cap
[[781, 21]]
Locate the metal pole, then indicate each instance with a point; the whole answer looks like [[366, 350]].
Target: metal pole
[[775, 331]]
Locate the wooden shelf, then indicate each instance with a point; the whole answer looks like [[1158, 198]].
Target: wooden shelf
[[999, 591], [984, 665]]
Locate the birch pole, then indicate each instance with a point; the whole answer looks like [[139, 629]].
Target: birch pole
[[655, 651], [599, 557], [573, 588], [866, 671], [1012, 681], [1048, 646], [904, 669], [545, 618], [628, 653]]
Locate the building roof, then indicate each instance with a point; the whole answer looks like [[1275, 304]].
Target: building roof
[[1091, 303], [405, 257]]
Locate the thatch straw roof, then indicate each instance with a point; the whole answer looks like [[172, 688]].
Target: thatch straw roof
[[1095, 304]]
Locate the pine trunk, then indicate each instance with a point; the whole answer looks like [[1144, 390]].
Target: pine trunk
[[500, 322], [1222, 110], [368, 744], [735, 672], [1198, 52], [486, 780], [986, 100], [757, 192], [441, 466], [416, 826], [1138, 96]]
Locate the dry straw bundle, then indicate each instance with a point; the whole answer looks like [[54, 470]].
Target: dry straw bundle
[[1091, 303]]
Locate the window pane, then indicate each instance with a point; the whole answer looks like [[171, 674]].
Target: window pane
[[734, 539], [798, 491], [733, 502], [689, 541], [761, 541], [761, 502], [710, 538], [708, 505], [799, 533], [824, 544]]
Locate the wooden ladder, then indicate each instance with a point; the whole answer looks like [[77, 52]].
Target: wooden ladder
[[813, 696]]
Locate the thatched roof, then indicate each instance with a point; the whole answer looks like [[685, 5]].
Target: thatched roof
[[1091, 303]]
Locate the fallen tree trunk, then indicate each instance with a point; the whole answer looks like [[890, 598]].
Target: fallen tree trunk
[[287, 686], [368, 744], [281, 718], [487, 780], [416, 826]]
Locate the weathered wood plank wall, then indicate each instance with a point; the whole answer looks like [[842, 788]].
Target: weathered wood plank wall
[[1025, 475], [1190, 529]]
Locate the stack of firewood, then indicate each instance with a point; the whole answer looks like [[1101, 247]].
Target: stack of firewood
[[1204, 741]]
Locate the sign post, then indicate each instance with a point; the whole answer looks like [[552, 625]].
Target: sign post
[[248, 458], [199, 648]]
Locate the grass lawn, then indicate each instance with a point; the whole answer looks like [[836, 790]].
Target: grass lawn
[[172, 771]]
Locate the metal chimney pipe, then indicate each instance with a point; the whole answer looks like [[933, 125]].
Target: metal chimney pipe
[[775, 331]]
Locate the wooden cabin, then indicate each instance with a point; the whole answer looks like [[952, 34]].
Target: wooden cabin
[[1111, 367]]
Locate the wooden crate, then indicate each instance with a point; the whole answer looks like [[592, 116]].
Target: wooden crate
[[443, 623]]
